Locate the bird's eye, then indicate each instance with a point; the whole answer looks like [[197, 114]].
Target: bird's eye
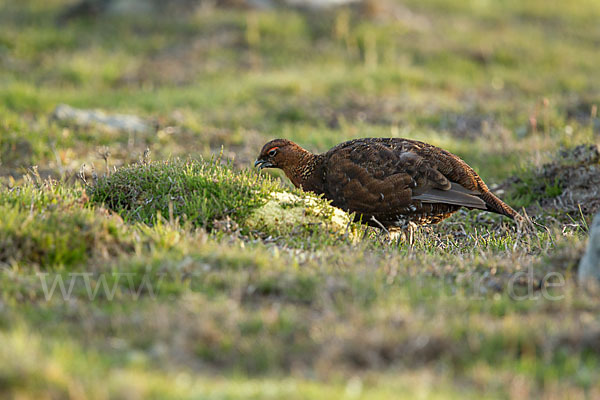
[[272, 152]]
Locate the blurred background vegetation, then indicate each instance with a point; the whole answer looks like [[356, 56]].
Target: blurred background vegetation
[[493, 81]]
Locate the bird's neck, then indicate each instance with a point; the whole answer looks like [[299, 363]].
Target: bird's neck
[[304, 170]]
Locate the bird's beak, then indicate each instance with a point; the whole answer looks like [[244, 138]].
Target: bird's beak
[[262, 164]]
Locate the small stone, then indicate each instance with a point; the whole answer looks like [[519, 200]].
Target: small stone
[[89, 118], [589, 266]]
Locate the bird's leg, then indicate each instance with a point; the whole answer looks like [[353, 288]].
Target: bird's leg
[[397, 236], [388, 236], [406, 234], [411, 234], [380, 224]]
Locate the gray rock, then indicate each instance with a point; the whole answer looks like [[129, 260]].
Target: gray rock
[[96, 118], [589, 266], [133, 7]]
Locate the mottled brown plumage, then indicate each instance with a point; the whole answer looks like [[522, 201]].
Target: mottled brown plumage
[[387, 182]]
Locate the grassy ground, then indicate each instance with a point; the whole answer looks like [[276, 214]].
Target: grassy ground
[[151, 281]]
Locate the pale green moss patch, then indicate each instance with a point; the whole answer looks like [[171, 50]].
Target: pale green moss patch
[[287, 213]]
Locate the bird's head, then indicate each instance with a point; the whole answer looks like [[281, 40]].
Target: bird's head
[[278, 153]]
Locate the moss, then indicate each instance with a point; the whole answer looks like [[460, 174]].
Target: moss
[[197, 192], [287, 213]]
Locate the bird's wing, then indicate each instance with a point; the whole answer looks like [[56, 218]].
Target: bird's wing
[[372, 178], [460, 175], [456, 195]]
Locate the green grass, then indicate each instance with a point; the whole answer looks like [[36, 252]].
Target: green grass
[[169, 290], [199, 191], [47, 226]]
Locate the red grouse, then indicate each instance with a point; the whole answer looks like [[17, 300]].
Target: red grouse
[[390, 183]]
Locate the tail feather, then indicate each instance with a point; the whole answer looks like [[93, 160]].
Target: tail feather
[[494, 204], [460, 196], [456, 195]]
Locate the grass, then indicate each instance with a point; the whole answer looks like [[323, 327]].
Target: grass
[[154, 279], [49, 227], [200, 191]]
